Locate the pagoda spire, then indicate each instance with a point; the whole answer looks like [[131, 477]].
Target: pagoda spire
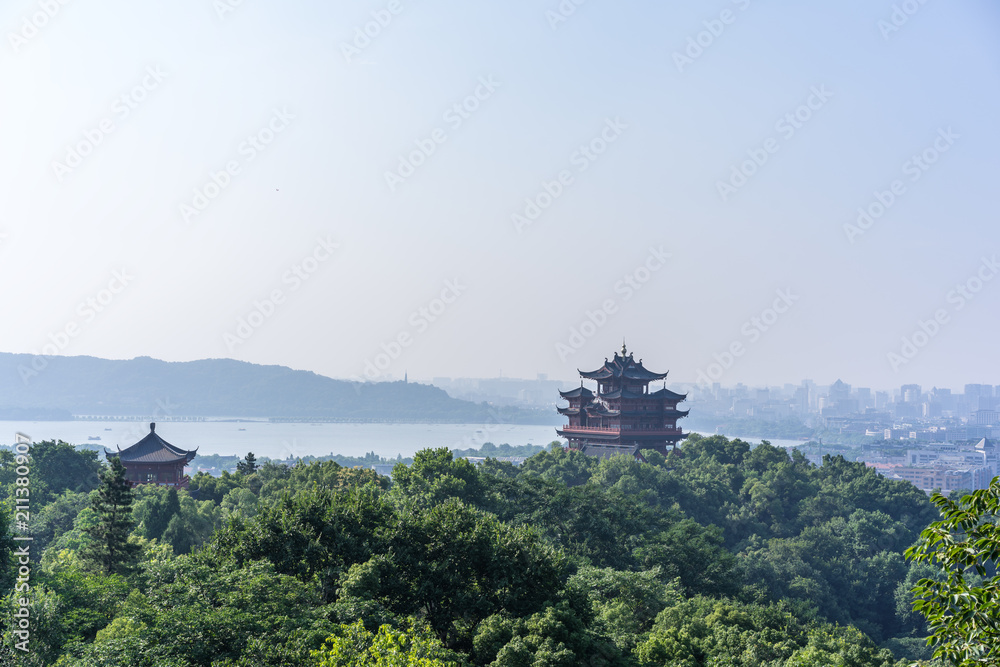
[[624, 351]]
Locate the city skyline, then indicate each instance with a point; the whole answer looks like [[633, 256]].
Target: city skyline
[[799, 383]]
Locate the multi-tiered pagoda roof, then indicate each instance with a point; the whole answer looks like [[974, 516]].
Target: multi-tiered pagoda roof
[[623, 366], [623, 416]]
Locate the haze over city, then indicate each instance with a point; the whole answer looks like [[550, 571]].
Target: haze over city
[[787, 191]]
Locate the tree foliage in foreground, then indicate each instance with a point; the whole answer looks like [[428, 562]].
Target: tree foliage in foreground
[[962, 604], [110, 548], [353, 646], [192, 612], [703, 631], [725, 555]]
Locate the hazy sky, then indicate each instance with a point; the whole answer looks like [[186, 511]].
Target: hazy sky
[[192, 164]]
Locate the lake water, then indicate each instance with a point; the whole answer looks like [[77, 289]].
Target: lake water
[[281, 440], [777, 442]]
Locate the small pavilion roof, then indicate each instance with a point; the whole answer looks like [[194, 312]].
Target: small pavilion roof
[[670, 395], [580, 391], [152, 449]]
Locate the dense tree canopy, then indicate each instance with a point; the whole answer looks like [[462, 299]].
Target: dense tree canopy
[[724, 553]]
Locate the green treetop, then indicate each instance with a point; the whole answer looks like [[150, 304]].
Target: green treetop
[[110, 549]]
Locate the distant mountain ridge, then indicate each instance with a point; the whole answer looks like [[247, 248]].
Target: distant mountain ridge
[[224, 387]]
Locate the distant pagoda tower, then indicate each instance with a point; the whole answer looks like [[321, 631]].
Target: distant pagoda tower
[[153, 460], [623, 417]]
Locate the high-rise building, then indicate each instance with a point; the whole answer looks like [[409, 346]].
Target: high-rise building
[[910, 393], [977, 390], [864, 396], [839, 391], [801, 399]]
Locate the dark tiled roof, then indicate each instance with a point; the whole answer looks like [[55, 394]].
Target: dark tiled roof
[[577, 393], [670, 395], [623, 367], [602, 373], [152, 449]]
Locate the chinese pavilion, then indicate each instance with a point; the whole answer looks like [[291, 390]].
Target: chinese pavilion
[[624, 416], [153, 460]]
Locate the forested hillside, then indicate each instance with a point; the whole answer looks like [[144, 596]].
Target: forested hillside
[[724, 555], [56, 387]]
